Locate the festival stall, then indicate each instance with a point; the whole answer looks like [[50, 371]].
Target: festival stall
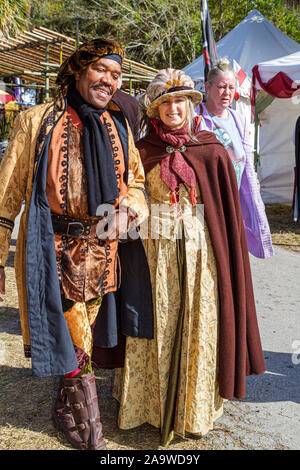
[[8, 108], [255, 39], [276, 107], [29, 64], [35, 56], [6, 97]]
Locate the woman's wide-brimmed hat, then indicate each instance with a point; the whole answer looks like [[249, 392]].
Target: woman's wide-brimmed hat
[[168, 83]]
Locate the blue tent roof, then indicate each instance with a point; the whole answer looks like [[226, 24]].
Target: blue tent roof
[[253, 40]]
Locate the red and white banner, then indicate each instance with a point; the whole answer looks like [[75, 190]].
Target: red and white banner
[[244, 84]]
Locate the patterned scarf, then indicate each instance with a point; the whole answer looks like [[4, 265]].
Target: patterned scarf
[[174, 169], [102, 187]]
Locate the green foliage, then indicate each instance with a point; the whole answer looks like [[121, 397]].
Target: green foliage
[[58, 15], [151, 31], [13, 16], [159, 33]]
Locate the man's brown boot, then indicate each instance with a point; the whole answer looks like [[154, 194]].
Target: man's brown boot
[[83, 399], [63, 418]]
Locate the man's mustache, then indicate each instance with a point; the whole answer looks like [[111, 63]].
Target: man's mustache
[[101, 85]]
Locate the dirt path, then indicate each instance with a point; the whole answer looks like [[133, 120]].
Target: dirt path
[[267, 419], [26, 402]]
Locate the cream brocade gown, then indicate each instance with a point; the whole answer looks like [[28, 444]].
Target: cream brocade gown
[[141, 386]]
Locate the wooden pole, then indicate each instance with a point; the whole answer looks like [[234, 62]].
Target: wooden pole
[[256, 154], [130, 79], [77, 34], [47, 83], [61, 53]]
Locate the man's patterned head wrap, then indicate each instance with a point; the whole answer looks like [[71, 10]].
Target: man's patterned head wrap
[[85, 55]]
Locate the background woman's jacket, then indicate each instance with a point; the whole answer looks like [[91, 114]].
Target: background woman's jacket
[[253, 209]]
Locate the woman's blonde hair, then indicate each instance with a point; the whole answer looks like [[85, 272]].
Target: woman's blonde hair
[[223, 66]]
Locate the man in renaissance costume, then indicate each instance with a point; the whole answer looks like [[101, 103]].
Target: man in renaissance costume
[[69, 161]]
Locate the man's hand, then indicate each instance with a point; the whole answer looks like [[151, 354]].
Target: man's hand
[[116, 226], [111, 227], [2, 283], [130, 176]]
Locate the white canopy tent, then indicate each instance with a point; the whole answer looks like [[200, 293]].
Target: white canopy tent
[[277, 119], [290, 64], [253, 40]]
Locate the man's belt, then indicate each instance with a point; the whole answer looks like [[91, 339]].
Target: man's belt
[[71, 227]]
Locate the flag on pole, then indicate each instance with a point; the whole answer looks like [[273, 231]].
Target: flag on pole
[[243, 86], [209, 45]]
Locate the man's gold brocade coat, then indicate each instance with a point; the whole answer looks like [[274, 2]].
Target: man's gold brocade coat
[[16, 179]]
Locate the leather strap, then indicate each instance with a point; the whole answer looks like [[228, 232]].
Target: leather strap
[[76, 228]]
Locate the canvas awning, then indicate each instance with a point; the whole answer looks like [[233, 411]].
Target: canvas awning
[[275, 98], [35, 56], [279, 78]]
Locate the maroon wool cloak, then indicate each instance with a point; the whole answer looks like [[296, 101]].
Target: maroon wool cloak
[[240, 351]]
